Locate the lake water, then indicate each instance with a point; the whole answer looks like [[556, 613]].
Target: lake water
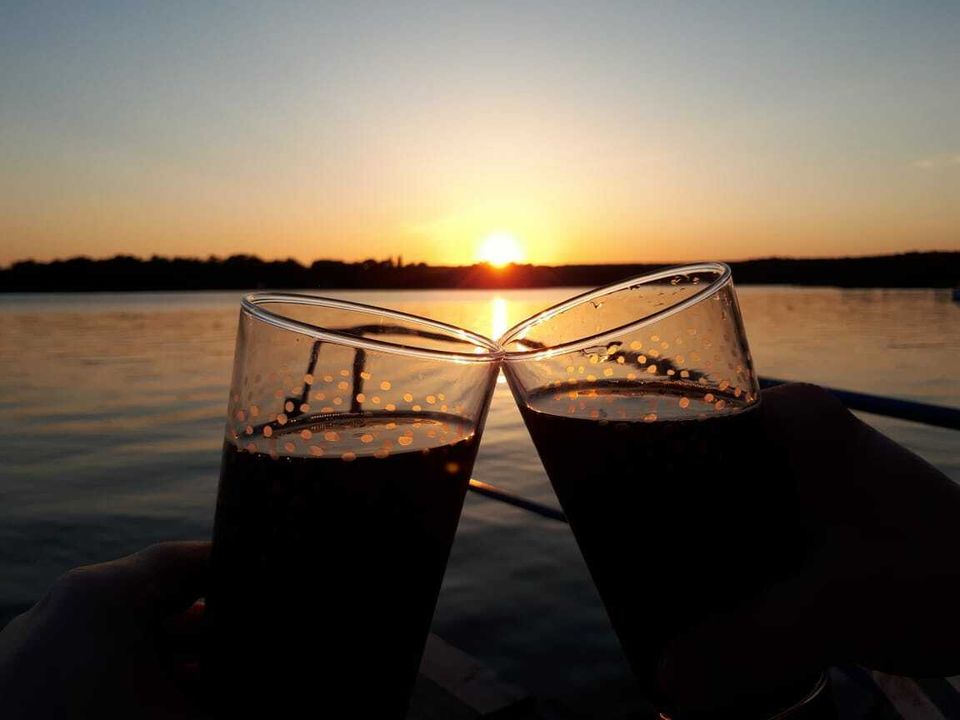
[[112, 408]]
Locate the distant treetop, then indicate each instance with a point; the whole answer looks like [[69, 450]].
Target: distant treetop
[[125, 272]]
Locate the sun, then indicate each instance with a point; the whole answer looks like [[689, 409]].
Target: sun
[[500, 249]]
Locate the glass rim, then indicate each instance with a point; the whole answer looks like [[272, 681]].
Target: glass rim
[[724, 276], [253, 303]]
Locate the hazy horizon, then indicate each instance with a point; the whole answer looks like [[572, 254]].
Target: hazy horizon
[[585, 133]]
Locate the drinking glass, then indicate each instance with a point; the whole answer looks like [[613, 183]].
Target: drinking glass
[[350, 437], [643, 404]]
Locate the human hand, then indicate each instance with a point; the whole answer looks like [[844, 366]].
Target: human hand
[[880, 582], [118, 639]]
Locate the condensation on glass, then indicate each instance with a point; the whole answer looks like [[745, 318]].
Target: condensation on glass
[[352, 380], [679, 328]]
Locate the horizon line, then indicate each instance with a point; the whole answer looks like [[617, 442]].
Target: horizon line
[[397, 259]]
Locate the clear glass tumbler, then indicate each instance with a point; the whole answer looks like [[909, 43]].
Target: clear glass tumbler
[[642, 401], [351, 434]]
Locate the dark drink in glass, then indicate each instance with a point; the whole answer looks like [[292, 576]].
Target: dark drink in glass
[[676, 516], [336, 511], [649, 429], [335, 545]]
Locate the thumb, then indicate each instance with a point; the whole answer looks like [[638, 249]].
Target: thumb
[[767, 655], [168, 577], [151, 584]]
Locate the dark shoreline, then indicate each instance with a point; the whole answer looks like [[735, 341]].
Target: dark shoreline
[[241, 272]]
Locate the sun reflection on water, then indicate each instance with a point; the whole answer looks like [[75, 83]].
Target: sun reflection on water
[[499, 322], [498, 317]]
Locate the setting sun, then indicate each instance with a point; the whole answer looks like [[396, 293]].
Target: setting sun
[[500, 249]]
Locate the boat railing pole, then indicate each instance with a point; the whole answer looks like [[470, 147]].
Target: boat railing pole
[[926, 413]]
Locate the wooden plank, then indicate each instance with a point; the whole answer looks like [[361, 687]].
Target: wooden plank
[[942, 694], [857, 696], [454, 686], [615, 699], [907, 697]]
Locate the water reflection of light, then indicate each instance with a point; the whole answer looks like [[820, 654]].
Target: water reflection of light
[[498, 317], [498, 322]]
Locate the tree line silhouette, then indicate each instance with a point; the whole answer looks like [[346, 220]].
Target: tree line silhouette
[[125, 272]]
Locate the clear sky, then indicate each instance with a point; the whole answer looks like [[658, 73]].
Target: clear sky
[[590, 131]]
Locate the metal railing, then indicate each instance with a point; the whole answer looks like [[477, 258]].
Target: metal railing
[[925, 413]]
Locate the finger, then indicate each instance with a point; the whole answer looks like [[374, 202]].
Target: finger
[[156, 582], [187, 624], [768, 653], [811, 434], [804, 405], [806, 424], [169, 577]]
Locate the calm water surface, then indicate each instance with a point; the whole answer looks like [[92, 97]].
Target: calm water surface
[[112, 409]]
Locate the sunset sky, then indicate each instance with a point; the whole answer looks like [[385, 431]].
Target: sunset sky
[[589, 132]]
